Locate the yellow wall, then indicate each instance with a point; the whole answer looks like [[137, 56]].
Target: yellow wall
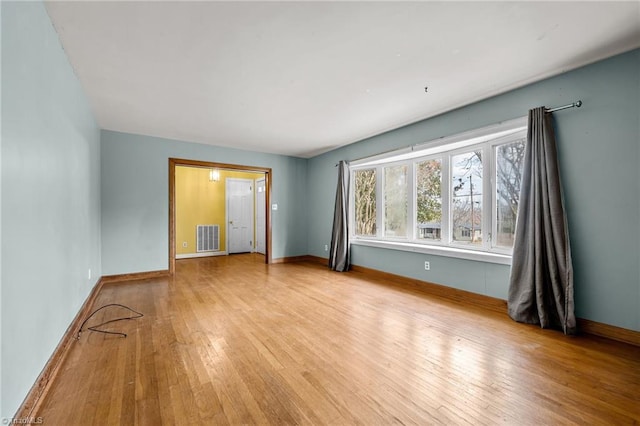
[[201, 202]]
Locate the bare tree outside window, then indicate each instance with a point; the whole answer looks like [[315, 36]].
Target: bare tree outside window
[[509, 163], [467, 197], [365, 202]]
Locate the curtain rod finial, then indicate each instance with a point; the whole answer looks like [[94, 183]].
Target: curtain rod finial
[[578, 104]]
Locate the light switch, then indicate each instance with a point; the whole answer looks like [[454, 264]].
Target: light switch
[[274, 207]]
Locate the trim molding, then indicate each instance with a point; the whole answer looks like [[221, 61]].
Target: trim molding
[[317, 259], [437, 250], [51, 368], [108, 279], [585, 326], [450, 293], [205, 254], [306, 258], [290, 259], [609, 331]]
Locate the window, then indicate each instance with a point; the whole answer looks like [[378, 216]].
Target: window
[[457, 194], [509, 161], [429, 199], [365, 202], [396, 197], [466, 196]]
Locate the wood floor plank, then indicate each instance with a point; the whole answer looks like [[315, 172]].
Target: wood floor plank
[[230, 340]]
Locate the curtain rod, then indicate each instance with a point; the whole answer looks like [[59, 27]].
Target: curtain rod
[[576, 104]]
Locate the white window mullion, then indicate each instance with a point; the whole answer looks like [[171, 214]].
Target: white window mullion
[[352, 204], [379, 202], [494, 201], [445, 230], [411, 207], [487, 207]]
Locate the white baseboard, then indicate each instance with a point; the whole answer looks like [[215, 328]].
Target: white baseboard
[[205, 254]]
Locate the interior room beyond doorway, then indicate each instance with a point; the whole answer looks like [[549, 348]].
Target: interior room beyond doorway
[[219, 211]]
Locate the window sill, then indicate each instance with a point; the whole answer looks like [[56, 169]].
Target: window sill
[[460, 253]]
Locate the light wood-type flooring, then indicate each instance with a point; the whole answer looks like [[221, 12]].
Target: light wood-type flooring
[[230, 340]]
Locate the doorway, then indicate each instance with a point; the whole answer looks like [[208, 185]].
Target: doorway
[[254, 233]]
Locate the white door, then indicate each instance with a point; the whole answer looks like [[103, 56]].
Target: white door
[[239, 215], [261, 217]]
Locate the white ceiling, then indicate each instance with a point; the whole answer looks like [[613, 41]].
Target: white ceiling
[[301, 78]]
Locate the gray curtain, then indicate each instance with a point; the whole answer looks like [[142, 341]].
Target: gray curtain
[[541, 282], [339, 255]]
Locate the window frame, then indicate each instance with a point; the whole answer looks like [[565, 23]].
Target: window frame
[[352, 204], [444, 232], [487, 139]]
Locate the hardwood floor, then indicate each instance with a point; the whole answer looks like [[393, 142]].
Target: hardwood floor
[[230, 340]]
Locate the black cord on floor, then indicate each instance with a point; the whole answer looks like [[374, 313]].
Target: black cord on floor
[[95, 327]]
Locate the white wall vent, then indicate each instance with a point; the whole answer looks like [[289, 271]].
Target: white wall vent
[[207, 238]]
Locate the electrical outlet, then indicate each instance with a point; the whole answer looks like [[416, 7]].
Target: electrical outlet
[[427, 266], [326, 247], [184, 244]]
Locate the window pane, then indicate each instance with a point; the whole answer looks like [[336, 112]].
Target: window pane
[[395, 194], [365, 202], [466, 201], [429, 199], [509, 162]]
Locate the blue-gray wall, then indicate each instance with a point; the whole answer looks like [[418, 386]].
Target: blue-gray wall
[[599, 149], [135, 198], [50, 197]]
